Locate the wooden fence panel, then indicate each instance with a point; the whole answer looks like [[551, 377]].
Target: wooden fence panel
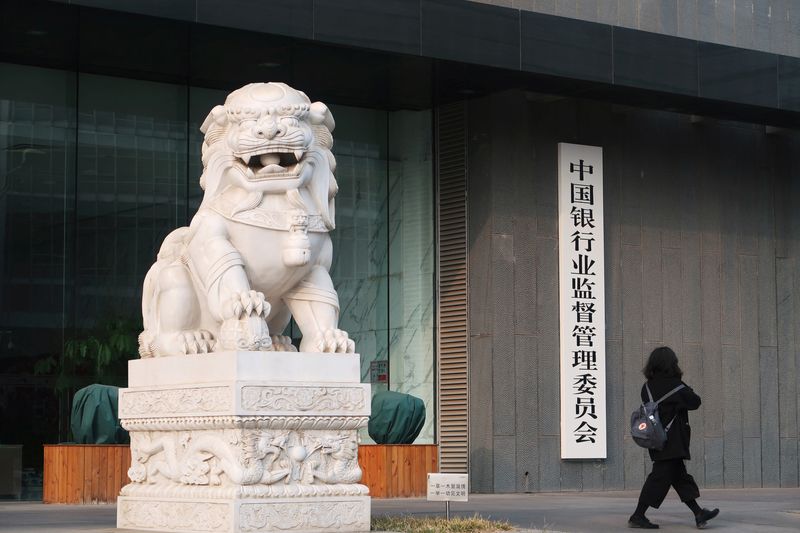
[[399, 470], [49, 479], [90, 458], [75, 460], [84, 473], [379, 476], [95, 473]]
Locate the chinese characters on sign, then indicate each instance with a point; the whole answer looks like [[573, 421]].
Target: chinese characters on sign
[[448, 487], [582, 301], [379, 371]]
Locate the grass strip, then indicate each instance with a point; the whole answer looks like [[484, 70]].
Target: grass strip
[[437, 524]]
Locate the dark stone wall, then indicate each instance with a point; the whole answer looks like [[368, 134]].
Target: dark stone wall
[[702, 220], [742, 23]]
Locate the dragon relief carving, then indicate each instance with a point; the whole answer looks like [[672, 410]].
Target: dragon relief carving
[[258, 250], [247, 457]]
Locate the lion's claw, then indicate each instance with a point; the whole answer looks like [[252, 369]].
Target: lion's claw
[[249, 303], [282, 343], [334, 341], [193, 342]]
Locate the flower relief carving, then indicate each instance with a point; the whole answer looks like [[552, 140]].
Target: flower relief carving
[[182, 516], [268, 517], [274, 422], [175, 401], [303, 398]]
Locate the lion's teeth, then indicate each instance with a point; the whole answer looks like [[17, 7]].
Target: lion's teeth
[[246, 159], [298, 154]]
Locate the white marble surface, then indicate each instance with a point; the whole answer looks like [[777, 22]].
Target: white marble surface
[[307, 515], [245, 442], [258, 250], [246, 398], [245, 366]]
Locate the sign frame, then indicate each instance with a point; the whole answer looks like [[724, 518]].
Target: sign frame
[[439, 484], [582, 323]]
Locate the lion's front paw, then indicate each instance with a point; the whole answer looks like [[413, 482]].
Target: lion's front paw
[[248, 303], [282, 343], [245, 327], [333, 340], [249, 333], [199, 341], [187, 342]]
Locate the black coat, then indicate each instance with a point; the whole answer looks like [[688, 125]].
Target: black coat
[[677, 405]]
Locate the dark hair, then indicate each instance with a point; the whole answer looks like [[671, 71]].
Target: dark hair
[[662, 363]]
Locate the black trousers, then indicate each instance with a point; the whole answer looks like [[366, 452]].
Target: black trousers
[[671, 472]]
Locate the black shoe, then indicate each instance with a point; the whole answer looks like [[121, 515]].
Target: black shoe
[[704, 516], [641, 522]]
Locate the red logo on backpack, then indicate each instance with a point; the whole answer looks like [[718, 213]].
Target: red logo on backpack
[[642, 426]]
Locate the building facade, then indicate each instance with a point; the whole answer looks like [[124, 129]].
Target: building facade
[[449, 114]]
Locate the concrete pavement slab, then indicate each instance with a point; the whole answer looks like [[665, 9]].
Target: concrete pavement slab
[[741, 510]]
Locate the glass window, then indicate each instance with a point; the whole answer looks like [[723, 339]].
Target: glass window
[[412, 261], [37, 180], [131, 192], [383, 248], [360, 240]]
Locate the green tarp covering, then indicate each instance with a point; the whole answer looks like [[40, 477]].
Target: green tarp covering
[[397, 418], [94, 416]]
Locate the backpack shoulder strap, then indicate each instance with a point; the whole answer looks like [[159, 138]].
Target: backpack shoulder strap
[[649, 394], [667, 395], [670, 423]]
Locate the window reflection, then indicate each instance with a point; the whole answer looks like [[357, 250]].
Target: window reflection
[[37, 110], [131, 191]]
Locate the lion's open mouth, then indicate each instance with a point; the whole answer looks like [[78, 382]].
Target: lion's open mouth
[[276, 164]]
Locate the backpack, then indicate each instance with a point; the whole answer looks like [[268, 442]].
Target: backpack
[[646, 428]]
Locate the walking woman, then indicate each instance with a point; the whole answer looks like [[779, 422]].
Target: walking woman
[[663, 375]]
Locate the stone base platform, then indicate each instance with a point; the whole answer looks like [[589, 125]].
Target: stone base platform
[[306, 515], [245, 442]]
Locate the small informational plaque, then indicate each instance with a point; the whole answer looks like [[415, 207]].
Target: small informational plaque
[[379, 371], [448, 487]]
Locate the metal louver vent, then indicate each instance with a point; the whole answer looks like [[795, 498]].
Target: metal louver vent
[[453, 336]]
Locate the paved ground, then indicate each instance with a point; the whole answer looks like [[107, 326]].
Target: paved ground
[[741, 510]]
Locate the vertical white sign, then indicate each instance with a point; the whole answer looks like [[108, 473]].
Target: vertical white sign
[[582, 301]]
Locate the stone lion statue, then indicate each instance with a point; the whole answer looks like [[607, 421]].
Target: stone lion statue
[[258, 250]]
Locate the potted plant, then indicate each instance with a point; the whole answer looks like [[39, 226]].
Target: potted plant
[[97, 356], [89, 473]]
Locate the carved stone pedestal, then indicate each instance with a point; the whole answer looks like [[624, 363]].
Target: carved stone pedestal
[[245, 442]]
